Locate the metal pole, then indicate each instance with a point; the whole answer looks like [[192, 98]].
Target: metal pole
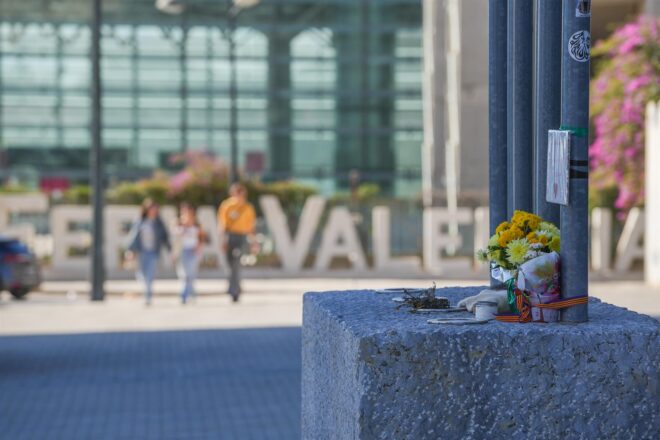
[[497, 115], [96, 159], [548, 100], [233, 113], [497, 112], [519, 102], [576, 43]]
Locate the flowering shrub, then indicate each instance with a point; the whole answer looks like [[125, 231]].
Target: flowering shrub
[[202, 181], [627, 78]]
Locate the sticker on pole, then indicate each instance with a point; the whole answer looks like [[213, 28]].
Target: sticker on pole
[[559, 150], [583, 8], [579, 46]]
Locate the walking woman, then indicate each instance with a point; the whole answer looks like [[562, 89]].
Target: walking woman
[[236, 222], [189, 241], [147, 238]]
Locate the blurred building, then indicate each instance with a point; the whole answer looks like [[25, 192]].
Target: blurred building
[[324, 87]]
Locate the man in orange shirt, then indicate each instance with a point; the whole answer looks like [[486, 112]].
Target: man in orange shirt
[[236, 221]]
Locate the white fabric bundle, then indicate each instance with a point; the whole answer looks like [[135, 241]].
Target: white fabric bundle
[[498, 296]]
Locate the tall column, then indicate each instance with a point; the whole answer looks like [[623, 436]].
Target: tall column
[[279, 104], [548, 100], [497, 112], [59, 90], [365, 76], [233, 98], [453, 106], [350, 107], [134, 153], [3, 151], [433, 86], [519, 102], [576, 43], [380, 140], [210, 91], [652, 192], [96, 156], [183, 87]]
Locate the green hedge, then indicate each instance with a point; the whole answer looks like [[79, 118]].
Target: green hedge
[[291, 195]]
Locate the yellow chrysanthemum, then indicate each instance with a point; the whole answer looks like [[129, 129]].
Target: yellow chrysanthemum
[[543, 240], [482, 255], [504, 238], [547, 226], [499, 257], [533, 221], [526, 220], [517, 250], [518, 218], [531, 236], [555, 243], [517, 232], [502, 227]]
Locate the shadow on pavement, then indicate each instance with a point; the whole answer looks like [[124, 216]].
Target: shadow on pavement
[[209, 384]]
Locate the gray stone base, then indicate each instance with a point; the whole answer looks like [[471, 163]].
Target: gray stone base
[[373, 372]]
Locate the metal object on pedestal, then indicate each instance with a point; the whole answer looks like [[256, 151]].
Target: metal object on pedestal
[[576, 44]]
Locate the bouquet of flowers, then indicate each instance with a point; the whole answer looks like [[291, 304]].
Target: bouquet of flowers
[[524, 254]]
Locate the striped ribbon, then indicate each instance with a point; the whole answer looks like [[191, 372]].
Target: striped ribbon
[[525, 307]]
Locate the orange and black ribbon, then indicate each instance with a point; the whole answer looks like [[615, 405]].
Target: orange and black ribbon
[[524, 307]]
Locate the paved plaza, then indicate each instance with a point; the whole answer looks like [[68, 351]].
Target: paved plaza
[[71, 369], [200, 384]]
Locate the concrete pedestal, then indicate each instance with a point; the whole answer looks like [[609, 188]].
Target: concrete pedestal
[[373, 372]]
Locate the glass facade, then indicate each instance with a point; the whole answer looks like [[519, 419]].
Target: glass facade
[[323, 87]]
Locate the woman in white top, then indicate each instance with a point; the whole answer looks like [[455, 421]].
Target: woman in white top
[[189, 242]]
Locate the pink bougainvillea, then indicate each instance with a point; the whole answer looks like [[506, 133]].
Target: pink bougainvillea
[[627, 78]]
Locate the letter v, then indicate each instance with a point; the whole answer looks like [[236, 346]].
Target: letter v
[[292, 250]]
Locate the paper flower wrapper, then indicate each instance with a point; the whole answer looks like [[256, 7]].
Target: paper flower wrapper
[[539, 280]]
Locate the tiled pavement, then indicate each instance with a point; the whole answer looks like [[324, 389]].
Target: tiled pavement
[[202, 384]]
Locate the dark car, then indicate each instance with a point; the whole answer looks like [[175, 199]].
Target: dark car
[[19, 269]]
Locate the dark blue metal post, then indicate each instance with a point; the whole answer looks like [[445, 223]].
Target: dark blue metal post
[[575, 46], [96, 157], [548, 98], [520, 137], [497, 112], [497, 115]]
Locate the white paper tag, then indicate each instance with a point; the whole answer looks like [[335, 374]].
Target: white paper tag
[[559, 153]]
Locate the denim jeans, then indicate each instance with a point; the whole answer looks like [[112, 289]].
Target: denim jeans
[[147, 271], [187, 271]]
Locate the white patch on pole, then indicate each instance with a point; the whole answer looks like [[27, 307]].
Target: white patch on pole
[[579, 46], [559, 153]]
